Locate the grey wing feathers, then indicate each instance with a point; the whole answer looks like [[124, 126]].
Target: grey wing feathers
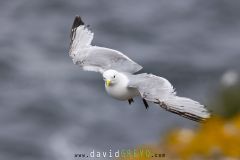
[[96, 58], [151, 87], [160, 91], [104, 59]]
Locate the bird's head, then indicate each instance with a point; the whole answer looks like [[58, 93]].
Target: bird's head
[[110, 77]]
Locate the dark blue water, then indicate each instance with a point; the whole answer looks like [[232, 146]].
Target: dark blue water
[[50, 109]]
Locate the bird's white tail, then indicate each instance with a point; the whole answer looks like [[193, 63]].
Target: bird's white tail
[[186, 107]]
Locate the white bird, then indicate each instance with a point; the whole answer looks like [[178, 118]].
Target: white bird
[[121, 82]]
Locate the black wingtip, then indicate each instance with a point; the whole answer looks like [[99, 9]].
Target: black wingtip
[[76, 23]]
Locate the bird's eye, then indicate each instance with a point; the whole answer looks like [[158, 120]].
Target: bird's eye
[[114, 76]]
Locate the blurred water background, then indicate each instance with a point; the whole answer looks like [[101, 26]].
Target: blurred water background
[[50, 109]]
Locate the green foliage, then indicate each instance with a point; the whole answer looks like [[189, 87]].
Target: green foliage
[[227, 103]]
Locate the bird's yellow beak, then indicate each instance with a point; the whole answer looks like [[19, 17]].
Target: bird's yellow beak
[[108, 82]]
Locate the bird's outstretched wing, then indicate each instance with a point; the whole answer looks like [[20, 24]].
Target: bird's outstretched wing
[[160, 91], [94, 58]]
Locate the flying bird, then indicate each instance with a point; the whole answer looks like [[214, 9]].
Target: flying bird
[[121, 80]]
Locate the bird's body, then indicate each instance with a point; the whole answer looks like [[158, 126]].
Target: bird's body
[[120, 90], [120, 81], [122, 93]]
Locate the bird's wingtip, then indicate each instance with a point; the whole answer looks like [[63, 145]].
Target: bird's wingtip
[[77, 22]]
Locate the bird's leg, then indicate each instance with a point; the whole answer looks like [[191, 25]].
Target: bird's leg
[[145, 103], [130, 101]]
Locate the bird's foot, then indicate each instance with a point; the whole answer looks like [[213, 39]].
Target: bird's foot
[[145, 104], [130, 101]]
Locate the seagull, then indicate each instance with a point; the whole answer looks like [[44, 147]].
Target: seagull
[[122, 82]]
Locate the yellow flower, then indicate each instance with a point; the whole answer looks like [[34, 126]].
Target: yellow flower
[[217, 138]]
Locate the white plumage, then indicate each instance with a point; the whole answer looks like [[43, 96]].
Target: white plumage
[[120, 82], [119, 88]]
